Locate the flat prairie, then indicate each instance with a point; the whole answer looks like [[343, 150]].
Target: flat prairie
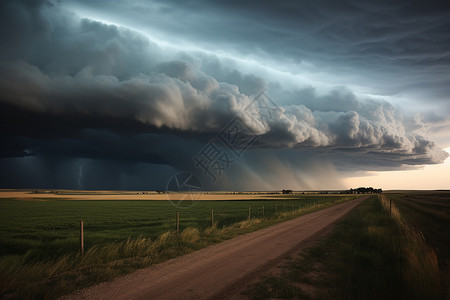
[[144, 195]]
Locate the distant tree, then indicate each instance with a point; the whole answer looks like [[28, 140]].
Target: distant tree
[[363, 190], [286, 191]]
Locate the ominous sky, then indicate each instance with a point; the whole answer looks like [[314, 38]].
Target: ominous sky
[[258, 95]]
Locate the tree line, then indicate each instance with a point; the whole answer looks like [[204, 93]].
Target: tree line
[[363, 190]]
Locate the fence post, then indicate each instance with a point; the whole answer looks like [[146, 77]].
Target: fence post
[[249, 212], [81, 238], [263, 210], [390, 206], [178, 222], [212, 217]]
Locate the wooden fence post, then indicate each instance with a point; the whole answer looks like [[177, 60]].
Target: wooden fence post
[[81, 238], [263, 210], [212, 217], [249, 212], [178, 222]]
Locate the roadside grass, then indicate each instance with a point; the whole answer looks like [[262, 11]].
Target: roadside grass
[[41, 272], [369, 255], [426, 219], [430, 213]]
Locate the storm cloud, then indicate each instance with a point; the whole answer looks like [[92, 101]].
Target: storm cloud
[[80, 97]]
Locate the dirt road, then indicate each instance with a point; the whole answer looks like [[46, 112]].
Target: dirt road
[[221, 270]]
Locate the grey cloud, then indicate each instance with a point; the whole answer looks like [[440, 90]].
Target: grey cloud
[[391, 48], [75, 173], [162, 101], [110, 96]]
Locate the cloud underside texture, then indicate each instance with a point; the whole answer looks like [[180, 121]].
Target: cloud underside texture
[[77, 92]]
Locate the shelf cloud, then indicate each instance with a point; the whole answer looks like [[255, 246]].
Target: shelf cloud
[[80, 97]]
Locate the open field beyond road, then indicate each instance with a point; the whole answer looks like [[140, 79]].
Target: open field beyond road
[[219, 270], [391, 247], [136, 195]]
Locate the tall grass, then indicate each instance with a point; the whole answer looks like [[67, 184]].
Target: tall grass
[[358, 260], [21, 278], [421, 269], [371, 254]]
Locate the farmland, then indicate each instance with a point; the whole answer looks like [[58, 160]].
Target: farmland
[[39, 238], [391, 247], [52, 227]]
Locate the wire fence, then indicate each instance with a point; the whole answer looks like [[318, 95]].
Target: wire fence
[[201, 216], [52, 228]]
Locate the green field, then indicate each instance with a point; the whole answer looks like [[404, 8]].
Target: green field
[[52, 227], [39, 240]]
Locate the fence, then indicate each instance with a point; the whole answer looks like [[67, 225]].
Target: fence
[[52, 228], [203, 217]]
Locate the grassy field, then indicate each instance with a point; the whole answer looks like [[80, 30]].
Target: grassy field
[[428, 216], [39, 238], [51, 228], [430, 212], [376, 252]]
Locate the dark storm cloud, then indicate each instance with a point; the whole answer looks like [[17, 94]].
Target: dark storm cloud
[[78, 173], [345, 35], [392, 48], [170, 103], [90, 98]]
